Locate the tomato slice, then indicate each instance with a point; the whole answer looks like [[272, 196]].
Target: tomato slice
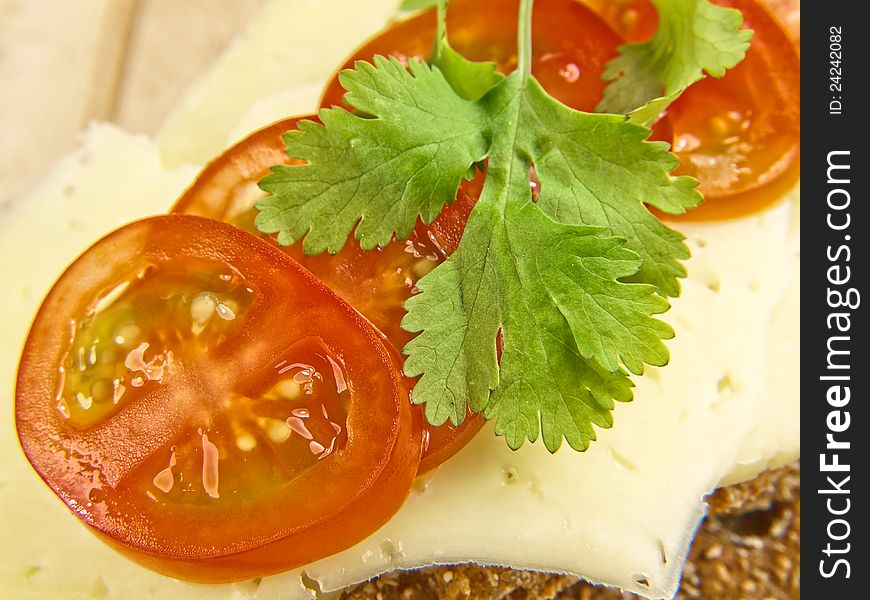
[[738, 135], [571, 45], [376, 282], [209, 407]]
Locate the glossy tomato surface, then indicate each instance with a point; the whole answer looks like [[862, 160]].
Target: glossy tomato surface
[[738, 135], [376, 282], [209, 407], [570, 44], [379, 281]]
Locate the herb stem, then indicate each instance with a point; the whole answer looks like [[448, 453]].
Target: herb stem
[[524, 39], [440, 31]]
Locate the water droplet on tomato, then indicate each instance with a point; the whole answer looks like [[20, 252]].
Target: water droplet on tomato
[[304, 376], [118, 390], [298, 426], [209, 467], [570, 72], [63, 408], [328, 450], [338, 376], [225, 312], [110, 298], [84, 401], [164, 480]]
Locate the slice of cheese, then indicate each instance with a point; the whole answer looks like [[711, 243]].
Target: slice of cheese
[[622, 513], [774, 441], [290, 44], [110, 180]]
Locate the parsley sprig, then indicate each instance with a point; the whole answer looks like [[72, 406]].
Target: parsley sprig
[[573, 280], [693, 37]]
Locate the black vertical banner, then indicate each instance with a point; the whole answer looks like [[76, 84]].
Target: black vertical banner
[[834, 419]]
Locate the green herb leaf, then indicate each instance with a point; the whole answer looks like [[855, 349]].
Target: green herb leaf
[[409, 5], [550, 275], [469, 79], [693, 36], [551, 286], [545, 286], [384, 171]]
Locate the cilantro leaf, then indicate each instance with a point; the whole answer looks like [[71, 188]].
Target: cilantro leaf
[[550, 275], [383, 171], [551, 286], [552, 290], [470, 79], [693, 36], [605, 172]]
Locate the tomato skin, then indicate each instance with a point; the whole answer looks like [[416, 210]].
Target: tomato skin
[[738, 135], [749, 121], [214, 194], [211, 195], [568, 65], [97, 470]]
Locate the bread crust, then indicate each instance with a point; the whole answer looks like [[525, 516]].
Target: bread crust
[[747, 547]]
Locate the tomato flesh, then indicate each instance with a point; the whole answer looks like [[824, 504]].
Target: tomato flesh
[[209, 389], [376, 282], [738, 135]]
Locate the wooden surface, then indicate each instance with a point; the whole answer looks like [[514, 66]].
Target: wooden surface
[[64, 63]]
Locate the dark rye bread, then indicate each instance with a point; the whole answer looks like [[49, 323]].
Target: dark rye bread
[[748, 547]]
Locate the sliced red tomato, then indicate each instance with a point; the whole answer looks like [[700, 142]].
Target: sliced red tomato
[[376, 282], [738, 135], [209, 407], [571, 44]]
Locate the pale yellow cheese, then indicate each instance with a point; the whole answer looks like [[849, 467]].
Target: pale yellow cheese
[[290, 44], [774, 441], [111, 179], [613, 514]]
